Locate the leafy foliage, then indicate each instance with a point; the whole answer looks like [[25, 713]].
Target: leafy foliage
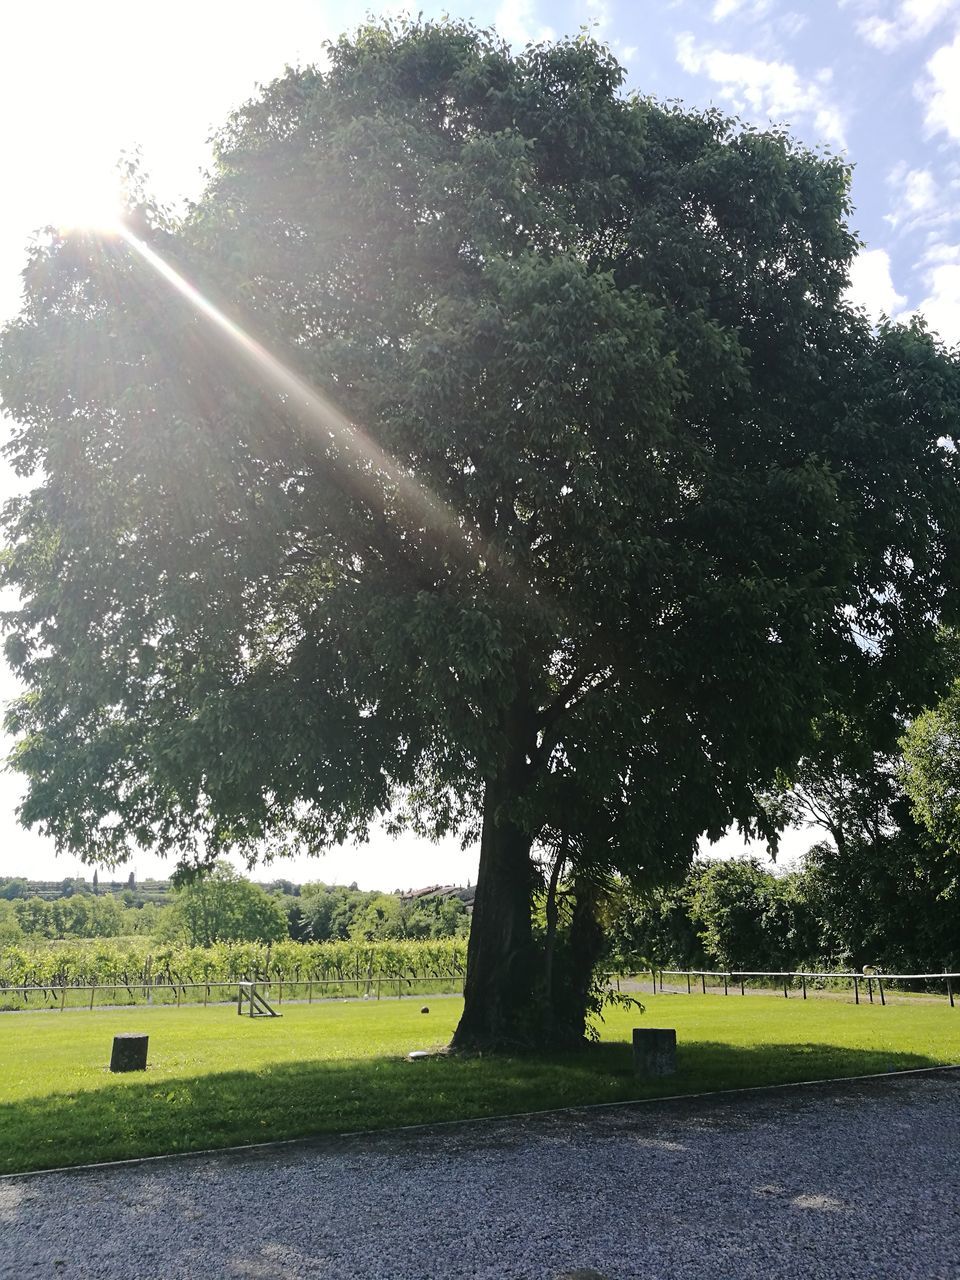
[[931, 772], [891, 903], [80, 916], [224, 907]]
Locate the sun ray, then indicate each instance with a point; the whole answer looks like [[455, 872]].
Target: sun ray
[[319, 415]]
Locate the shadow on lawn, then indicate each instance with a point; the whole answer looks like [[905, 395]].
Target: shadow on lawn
[[155, 1114]]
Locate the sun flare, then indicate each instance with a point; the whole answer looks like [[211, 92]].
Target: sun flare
[[90, 202]]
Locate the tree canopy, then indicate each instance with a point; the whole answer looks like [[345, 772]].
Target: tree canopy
[[580, 496], [221, 906], [930, 772]]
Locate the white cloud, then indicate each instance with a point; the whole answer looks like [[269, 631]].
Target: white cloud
[[724, 8], [879, 32], [748, 8], [517, 22], [941, 306], [919, 17], [598, 14], [918, 198], [919, 191], [871, 285], [939, 252], [764, 88], [911, 20], [940, 92], [792, 23]]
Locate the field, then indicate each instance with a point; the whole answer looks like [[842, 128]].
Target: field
[[216, 1080]]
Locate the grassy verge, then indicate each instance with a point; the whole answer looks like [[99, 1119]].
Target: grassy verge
[[216, 1080]]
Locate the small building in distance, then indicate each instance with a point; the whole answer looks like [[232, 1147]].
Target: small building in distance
[[465, 894]]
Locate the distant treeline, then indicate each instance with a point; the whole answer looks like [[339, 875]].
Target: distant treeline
[[227, 907], [842, 908], [133, 892]]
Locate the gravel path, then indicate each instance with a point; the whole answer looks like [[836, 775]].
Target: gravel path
[[842, 1181]]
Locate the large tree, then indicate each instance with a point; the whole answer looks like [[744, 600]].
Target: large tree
[[605, 496]]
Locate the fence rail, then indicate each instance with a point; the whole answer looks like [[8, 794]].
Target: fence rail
[[370, 986], [740, 977], [379, 986]]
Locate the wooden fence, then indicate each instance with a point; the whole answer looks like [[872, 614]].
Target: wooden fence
[[860, 981], [97, 995]]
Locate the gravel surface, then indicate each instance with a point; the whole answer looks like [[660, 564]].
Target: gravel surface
[[842, 1181]]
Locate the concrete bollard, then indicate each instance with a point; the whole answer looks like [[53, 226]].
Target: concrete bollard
[[129, 1052], [654, 1051]]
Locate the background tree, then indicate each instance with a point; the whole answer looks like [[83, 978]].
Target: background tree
[[611, 498], [891, 903], [329, 910], [219, 905], [10, 930], [931, 773], [849, 781], [747, 918], [654, 928], [886, 890]]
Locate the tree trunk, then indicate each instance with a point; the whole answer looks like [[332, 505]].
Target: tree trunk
[[570, 1004], [552, 916], [498, 1010]]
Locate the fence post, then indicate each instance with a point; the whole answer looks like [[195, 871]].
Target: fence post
[[743, 985], [803, 983], [688, 984], [310, 992], [870, 988], [856, 989], [880, 989], [950, 992], [206, 994], [92, 990], [653, 975], [703, 982], [379, 981], [179, 990], [785, 987], [725, 991], [399, 991], [63, 996]]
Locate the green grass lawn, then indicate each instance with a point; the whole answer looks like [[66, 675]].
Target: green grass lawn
[[215, 1079]]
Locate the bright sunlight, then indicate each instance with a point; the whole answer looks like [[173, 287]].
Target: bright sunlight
[[92, 201]]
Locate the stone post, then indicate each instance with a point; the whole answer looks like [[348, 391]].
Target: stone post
[[129, 1052], [654, 1051]]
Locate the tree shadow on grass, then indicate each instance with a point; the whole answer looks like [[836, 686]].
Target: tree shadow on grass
[[152, 1116]]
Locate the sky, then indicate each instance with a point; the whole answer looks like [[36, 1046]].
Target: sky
[[83, 84]]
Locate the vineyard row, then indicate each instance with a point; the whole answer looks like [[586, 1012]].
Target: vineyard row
[[137, 962]]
